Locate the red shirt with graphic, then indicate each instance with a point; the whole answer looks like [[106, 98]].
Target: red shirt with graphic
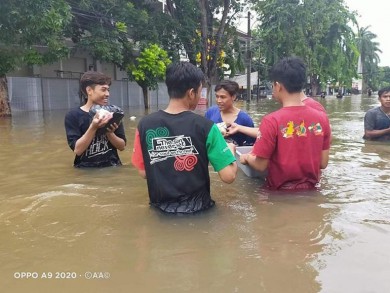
[[293, 139]]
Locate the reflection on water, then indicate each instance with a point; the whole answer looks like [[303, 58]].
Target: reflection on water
[[59, 219]]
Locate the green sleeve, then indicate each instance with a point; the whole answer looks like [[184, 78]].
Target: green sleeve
[[218, 151]]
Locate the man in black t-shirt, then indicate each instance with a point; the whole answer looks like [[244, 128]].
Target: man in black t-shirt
[[173, 147], [377, 120], [93, 148]]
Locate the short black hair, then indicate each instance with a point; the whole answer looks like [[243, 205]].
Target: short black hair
[[92, 78], [182, 76], [291, 72], [383, 91], [230, 86]]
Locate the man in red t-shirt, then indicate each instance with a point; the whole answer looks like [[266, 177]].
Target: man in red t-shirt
[[293, 142]]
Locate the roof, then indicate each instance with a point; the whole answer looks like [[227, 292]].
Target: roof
[[242, 80]]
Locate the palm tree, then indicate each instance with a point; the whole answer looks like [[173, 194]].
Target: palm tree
[[369, 58]]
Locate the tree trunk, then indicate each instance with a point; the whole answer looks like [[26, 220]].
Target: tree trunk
[[364, 74], [205, 36], [5, 109], [145, 94], [364, 81], [314, 84], [209, 64]]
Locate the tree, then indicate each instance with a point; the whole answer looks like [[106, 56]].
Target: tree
[[369, 58], [383, 78], [114, 31], [204, 31], [213, 33], [31, 32], [117, 31], [316, 30], [185, 17], [108, 30], [148, 69]]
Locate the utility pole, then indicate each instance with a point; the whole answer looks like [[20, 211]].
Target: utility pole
[[249, 57]]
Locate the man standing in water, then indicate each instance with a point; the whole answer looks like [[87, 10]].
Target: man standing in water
[[377, 120], [227, 113], [293, 142], [173, 147], [92, 148]]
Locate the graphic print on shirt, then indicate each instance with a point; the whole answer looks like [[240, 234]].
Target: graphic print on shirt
[[161, 146], [300, 130], [316, 128], [185, 163], [99, 146], [289, 130]]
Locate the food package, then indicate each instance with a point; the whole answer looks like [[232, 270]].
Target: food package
[[222, 127]]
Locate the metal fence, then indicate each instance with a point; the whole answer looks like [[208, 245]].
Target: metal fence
[[41, 94]]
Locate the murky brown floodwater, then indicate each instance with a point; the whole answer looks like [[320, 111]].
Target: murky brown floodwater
[[70, 223]]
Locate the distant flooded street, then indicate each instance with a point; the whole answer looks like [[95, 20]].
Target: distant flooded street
[[70, 230]]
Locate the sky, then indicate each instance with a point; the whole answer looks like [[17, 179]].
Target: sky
[[374, 13]]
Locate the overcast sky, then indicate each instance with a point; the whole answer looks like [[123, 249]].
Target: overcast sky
[[375, 13]]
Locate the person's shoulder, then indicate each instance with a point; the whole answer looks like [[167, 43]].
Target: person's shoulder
[[372, 113], [197, 116], [374, 110], [273, 115], [74, 112], [314, 104], [315, 112], [313, 108], [244, 113], [199, 119], [212, 109], [151, 116], [278, 111], [212, 113]]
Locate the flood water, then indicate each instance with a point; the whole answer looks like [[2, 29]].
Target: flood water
[[69, 230]]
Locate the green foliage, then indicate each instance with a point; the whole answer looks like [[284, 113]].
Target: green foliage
[[104, 28], [149, 67], [121, 27], [317, 30], [207, 38], [234, 58], [32, 32], [8, 61], [216, 16], [368, 50], [111, 30], [381, 78], [185, 21]]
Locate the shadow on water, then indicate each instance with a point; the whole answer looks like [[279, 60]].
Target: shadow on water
[[60, 219]]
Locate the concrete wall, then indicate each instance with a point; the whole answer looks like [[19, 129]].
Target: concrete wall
[[41, 94]]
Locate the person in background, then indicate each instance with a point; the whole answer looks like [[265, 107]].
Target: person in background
[[92, 149], [377, 120], [313, 103], [226, 113], [173, 147], [293, 142]]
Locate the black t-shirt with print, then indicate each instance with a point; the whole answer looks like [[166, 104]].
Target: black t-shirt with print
[[176, 163], [100, 153]]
